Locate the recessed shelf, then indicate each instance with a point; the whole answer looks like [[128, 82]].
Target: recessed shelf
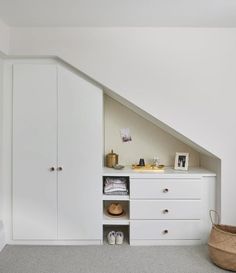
[[121, 220], [124, 229], [116, 197]]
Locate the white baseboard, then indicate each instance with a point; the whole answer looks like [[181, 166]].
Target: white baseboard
[[165, 242], [2, 236], [55, 243]]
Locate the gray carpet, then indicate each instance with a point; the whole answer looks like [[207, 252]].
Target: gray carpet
[[105, 259]]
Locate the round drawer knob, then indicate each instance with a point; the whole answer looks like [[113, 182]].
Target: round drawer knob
[[59, 169], [52, 169], [165, 211], [166, 190], [165, 231]]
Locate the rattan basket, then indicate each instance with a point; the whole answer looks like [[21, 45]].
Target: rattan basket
[[222, 245]]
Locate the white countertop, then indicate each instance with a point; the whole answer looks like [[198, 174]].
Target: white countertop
[[167, 172]]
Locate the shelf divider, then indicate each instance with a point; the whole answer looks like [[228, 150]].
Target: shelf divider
[[119, 220], [116, 197]]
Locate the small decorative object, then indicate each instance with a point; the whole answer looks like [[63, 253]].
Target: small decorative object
[[141, 162], [118, 167], [111, 159], [156, 161], [221, 244], [125, 135], [181, 161], [115, 209]]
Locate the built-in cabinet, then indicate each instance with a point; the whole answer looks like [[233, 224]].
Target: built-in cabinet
[[167, 208], [57, 154], [57, 173]]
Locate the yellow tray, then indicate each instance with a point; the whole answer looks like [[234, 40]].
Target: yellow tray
[[148, 168]]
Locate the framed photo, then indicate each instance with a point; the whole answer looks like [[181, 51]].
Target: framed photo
[[181, 161]]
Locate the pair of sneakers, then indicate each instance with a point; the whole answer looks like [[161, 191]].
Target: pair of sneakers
[[115, 237]]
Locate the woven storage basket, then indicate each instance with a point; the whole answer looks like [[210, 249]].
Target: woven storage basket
[[222, 245]]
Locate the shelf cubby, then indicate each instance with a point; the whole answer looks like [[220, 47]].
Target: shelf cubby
[[115, 220], [117, 177], [108, 228]]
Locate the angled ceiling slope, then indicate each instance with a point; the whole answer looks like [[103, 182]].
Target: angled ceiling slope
[[141, 112], [129, 13]]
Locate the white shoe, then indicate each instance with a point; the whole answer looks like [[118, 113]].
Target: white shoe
[[111, 237], [119, 237]]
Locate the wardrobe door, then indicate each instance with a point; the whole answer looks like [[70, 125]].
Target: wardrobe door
[[34, 151], [79, 158]]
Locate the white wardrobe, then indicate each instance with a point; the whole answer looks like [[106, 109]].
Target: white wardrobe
[[57, 154]]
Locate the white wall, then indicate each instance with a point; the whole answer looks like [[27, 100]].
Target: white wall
[[184, 76], [1, 132], [4, 38], [2, 238], [148, 140]]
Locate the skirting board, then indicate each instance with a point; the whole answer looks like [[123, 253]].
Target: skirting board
[[165, 242], [55, 243], [2, 237], [2, 244]]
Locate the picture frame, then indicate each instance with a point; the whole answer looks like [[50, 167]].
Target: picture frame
[[181, 161]]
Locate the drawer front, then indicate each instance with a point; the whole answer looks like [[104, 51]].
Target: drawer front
[[162, 209], [165, 230], [165, 188]]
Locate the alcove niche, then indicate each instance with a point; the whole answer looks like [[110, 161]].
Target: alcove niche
[[150, 138]]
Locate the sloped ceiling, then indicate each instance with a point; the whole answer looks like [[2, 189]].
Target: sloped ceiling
[[141, 112], [106, 13]]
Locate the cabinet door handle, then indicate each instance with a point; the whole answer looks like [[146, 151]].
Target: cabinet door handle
[[59, 168], [165, 211], [52, 169], [165, 190], [165, 231]]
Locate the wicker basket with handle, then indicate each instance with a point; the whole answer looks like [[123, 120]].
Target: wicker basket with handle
[[222, 244]]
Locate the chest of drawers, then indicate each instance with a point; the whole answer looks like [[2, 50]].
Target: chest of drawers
[[165, 211]]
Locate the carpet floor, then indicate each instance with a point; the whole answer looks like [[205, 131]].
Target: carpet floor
[[106, 259]]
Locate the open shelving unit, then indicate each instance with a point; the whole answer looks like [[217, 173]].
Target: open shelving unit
[[120, 223]]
